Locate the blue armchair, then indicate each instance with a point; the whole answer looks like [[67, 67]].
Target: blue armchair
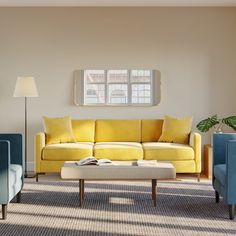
[[11, 169], [224, 169]]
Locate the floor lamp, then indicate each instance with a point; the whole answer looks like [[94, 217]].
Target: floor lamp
[[25, 87]]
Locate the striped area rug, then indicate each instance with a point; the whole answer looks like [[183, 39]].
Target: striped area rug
[[51, 207]]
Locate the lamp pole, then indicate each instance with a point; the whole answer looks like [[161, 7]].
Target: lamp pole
[[26, 143], [26, 87], [26, 140]]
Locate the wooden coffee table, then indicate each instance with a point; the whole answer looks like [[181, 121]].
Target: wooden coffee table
[[162, 170]]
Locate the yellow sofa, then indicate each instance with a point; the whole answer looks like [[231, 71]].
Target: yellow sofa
[[118, 140]]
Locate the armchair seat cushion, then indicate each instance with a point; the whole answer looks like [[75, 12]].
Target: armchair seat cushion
[[220, 173], [167, 151], [67, 151], [118, 151], [15, 173], [15, 180]]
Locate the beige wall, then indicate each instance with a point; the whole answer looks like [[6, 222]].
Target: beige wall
[[194, 48]]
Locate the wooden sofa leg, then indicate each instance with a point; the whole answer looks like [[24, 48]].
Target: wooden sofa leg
[[18, 197], [37, 176], [198, 177], [217, 195], [4, 211], [231, 212]]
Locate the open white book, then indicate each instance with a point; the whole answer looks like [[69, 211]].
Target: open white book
[[93, 161], [147, 163]]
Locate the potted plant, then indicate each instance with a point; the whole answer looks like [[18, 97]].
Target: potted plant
[[216, 123]]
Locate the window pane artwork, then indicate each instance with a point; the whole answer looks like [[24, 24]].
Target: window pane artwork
[[141, 93], [117, 76], [118, 87], [118, 93], [95, 94], [94, 76]]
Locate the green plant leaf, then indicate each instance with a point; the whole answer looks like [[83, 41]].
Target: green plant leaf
[[208, 123], [230, 121]]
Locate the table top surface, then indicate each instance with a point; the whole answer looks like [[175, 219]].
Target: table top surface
[[119, 165], [161, 170]]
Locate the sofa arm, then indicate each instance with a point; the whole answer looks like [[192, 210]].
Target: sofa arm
[[195, 143], [40, 142], [230, 171], [16, 147], [4, 170]]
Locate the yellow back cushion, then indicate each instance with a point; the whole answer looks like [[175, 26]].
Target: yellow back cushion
[[83, 130], [58, 130], [118, 131], [176, 130], [151, 130]]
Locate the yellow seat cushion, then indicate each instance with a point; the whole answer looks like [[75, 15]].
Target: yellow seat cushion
[[118, 131], [58, 130], [67, 151], [118, 151], [176, 130], [167, 151], [83, 130]]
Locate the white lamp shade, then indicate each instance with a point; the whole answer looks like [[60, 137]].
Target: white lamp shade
[[25, 87]]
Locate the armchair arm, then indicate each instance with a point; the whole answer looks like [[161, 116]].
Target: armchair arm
[[195, 143], [230, 171], [16, 150], [4, 167], [40, 142]]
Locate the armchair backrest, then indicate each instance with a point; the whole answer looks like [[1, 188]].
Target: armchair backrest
[[220, 147], [16, 152]]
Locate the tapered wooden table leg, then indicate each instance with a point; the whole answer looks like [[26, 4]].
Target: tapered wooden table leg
[[154, 192], [83, 189], [80, 192]]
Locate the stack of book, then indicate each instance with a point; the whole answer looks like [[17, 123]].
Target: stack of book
[[93, 161]]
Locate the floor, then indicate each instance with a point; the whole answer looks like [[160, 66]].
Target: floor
[[51, 207]]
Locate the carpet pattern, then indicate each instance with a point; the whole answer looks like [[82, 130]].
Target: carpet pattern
[[117, 208]]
